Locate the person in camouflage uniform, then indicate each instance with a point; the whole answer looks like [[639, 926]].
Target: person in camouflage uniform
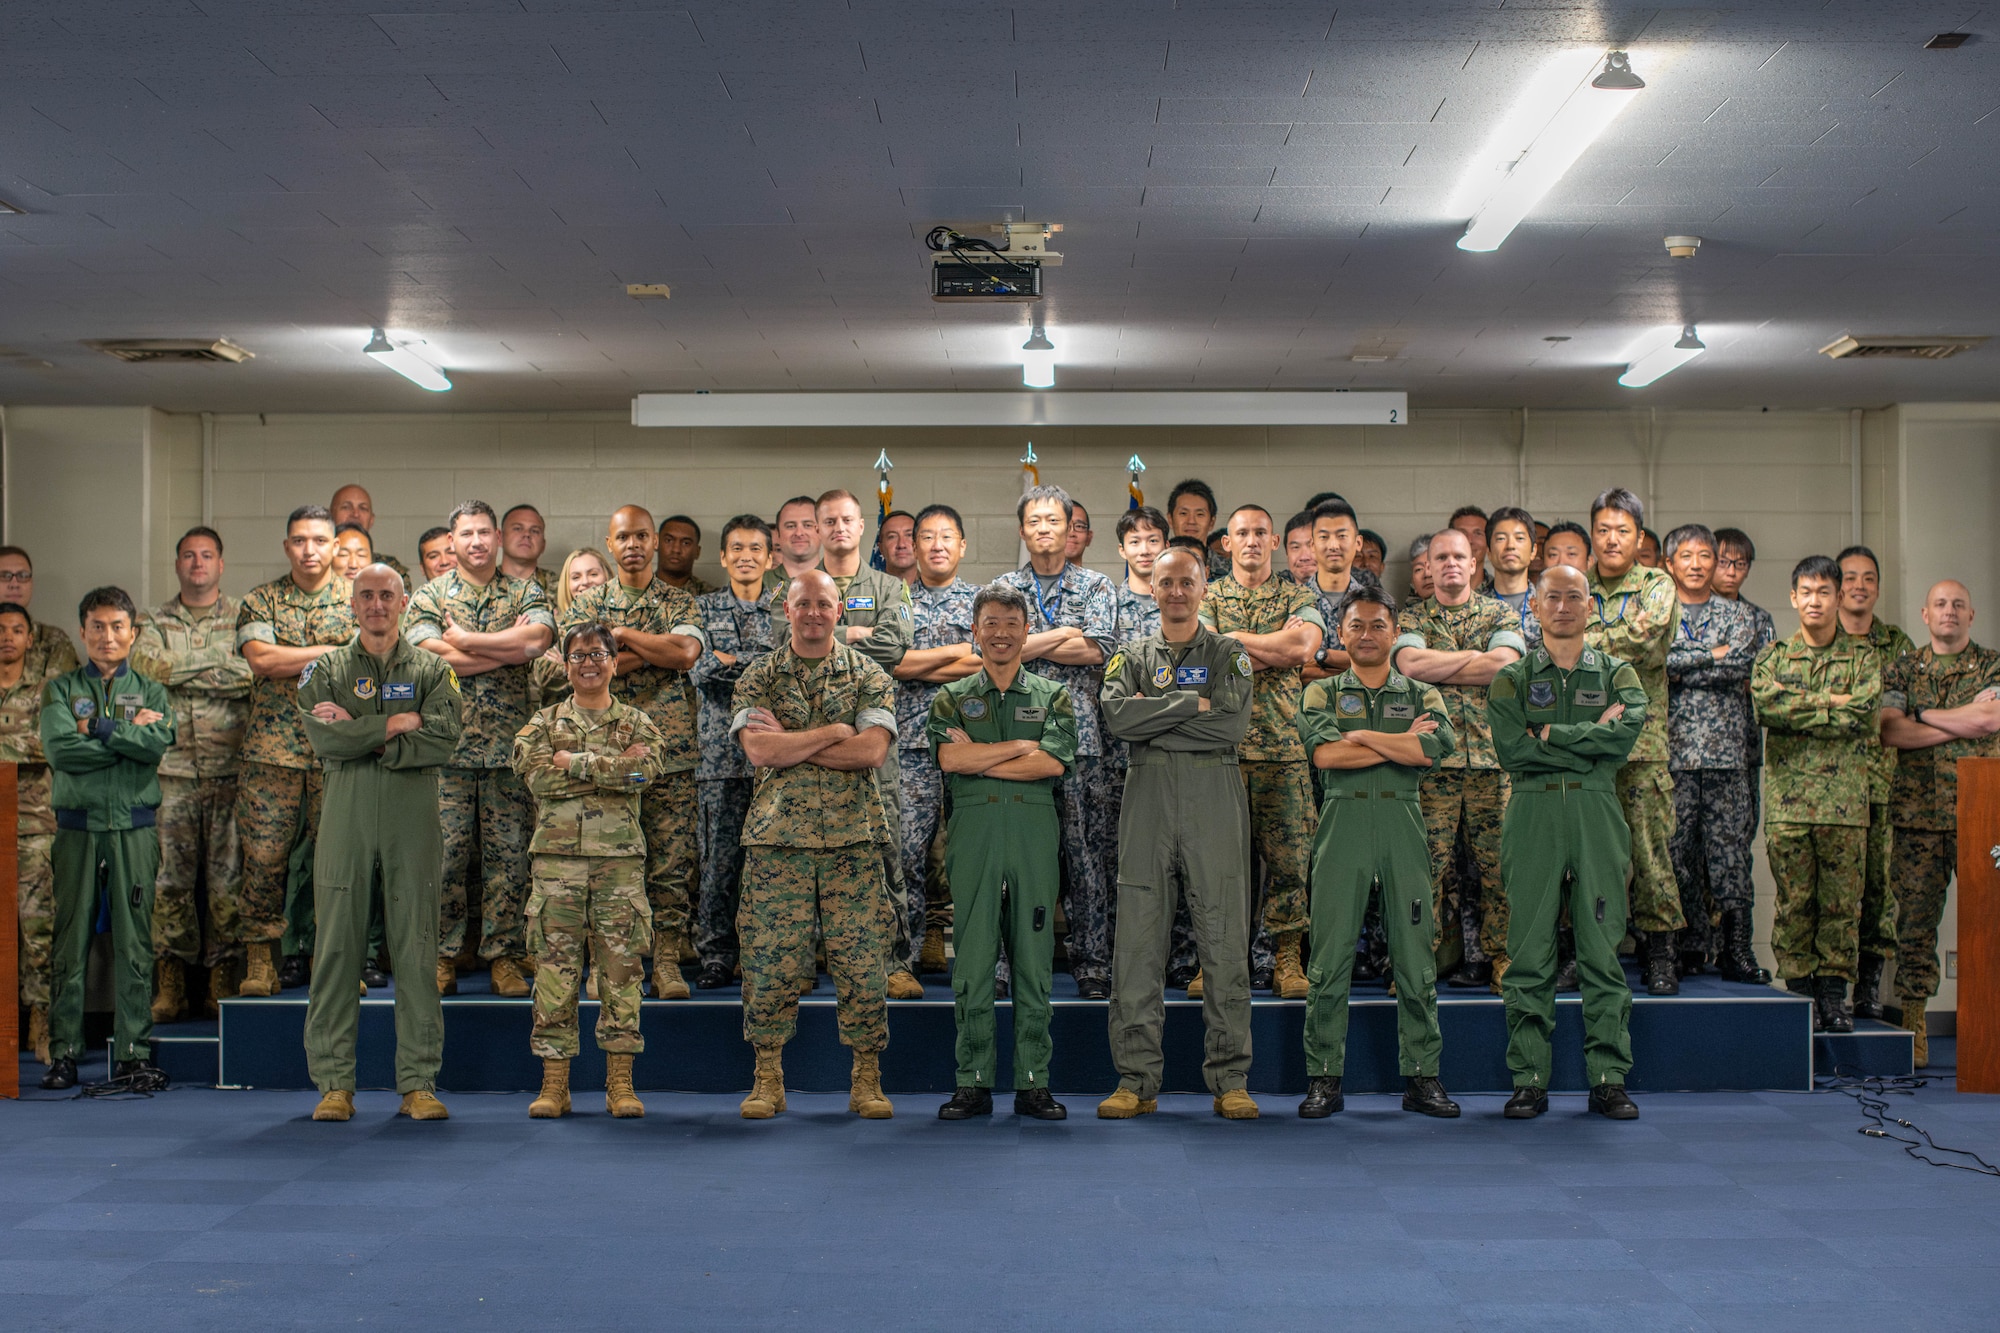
[[660, 638], [488, 627], [1734, 554], [586, 761], [680, 549], [1457, 639], [1073, 626], [1860, 589], [1634, 617], [1708, 751], [1818, 693], [31, 655], [940, 652], [817, 719], [189, 646], [352, 504], [738, 625], [1279, 625], [1192, 511], [1940, 704], [282, 627], [523, 540]]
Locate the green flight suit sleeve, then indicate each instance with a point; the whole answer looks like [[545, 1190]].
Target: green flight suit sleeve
[[339, 741], [145, 744], [1173, 720], [435, 740], [67, 749], [1316, 723], [942, 718], [893, 634], [1518, 749], [1607, 740], [1444, 740], [1058, 730]]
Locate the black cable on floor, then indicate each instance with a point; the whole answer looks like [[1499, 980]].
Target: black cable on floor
[[1870, 1094]]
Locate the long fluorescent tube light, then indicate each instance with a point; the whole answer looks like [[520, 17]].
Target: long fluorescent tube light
[[1552, 146], [1038, 361], [1052, 407], [1663, 360], [406, 363]]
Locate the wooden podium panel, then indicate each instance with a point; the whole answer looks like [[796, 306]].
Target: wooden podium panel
[[10, 933], [1979, 925]]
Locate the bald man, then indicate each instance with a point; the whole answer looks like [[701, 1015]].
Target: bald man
[[351, 504], [658, 629], [1938, 706]]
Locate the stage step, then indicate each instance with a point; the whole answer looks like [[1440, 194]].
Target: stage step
[[1873, 1050], [1715, 1036]]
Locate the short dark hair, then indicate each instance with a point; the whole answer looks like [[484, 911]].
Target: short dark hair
[[1324, 497], [1194, 486], [1816, 567], [883, 526], [1510, 514], [1143, 516], [1861, 551], [1040, 495], [1369, 535], [1190, 544], [198, 530], [471, 507], [344, 527], [1302, 519], [1339, 508], [21, 551], [97, 599], [304, 514], [805, 500], [1682, 535], [940, 511], [1648, 532], [746, 523], [1000, 594], [431, 535], [681, 518], [1241, 509], [1465, 511], [1365, 590], [1623, 501], [16, 609], [589, 629], [1569, 525], [1737, 538], [515, 509]]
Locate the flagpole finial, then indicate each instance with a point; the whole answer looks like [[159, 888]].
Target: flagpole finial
[[883, 464], [1134, 465], [1029, 457]]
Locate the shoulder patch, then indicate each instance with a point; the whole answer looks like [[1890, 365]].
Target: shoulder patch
[[1503, 687], [307, 674], [1243, 665], [1115, 666]]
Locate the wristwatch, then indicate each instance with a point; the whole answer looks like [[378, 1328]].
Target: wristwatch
[[1916, 715]]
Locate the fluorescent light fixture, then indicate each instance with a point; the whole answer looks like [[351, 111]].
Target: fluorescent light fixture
[[1038, 361], [399, 358], [1663, 360], [1557, 119]]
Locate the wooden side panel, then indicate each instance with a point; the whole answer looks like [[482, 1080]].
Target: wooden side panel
[[10, 933], [1979, 925]]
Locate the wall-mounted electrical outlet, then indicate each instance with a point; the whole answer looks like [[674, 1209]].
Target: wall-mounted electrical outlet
[[1951, 964]]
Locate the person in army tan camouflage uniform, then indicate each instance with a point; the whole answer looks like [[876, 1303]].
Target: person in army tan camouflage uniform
[[660, 637], [488, 627], [817, 719], [1458, 639], [352, 504], [1635, 617], [1860, 589], [1939, 705], [586, 761], [1818, 693], [189, 646], [31, 655], [1278, 623], [281, 627]]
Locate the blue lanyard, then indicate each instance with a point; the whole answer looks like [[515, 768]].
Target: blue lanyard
[[1603, 619], [1042, 599]]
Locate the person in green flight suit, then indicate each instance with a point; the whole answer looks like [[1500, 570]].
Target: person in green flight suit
[[1564, 719], [1372, 731], [383, 716], [1003, 736]]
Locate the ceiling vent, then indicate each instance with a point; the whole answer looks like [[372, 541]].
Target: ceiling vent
[[172, 349], [1935, 348]]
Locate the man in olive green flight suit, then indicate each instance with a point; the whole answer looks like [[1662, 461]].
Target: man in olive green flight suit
[[1003, 736], [1564, 719], [104, 727], [1182, 700], [383, 716], [1372, 732]]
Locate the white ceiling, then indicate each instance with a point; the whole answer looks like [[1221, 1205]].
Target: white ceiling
[[1250, 192]]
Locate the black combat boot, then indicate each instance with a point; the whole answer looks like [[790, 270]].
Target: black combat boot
[[1737, 961], [1426, 1096], [140, 1075], [1473, 974], [1039, 1104], [1526, 1103], [714, 975], [1660, 977], [1609, 1100], [1833, 1014], [966, 1103], [1323, 1098], [62, 1074], [1868, 987], [295, 971]]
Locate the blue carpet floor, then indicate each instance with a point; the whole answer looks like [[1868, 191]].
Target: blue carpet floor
[[224, 1210]]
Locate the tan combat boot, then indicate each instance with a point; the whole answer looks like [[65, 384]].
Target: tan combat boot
[[225, 982], [1125, 1104], [904, 986], [1501, 962], [1291, 973], [930, 957], [261, 976], [554, 1098], [865, 1097], [668, 983], [335, 1104], [1194, 990], [447, 977], [1913, 1020], [169, 989], [590, 985], [767, 1093], [619, 1099], [507, 979], [1236, 1104], [38, 1032], [422, 1105]]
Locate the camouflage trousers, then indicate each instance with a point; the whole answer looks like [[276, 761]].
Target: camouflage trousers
[[1709, 851], [786, 892], [1878, 891], [1087, 804], [38, 915], [275, 808], [1646, 794], [1283, 820], [724, 802], [488, 819], [1925, 861], [198, 851], [1819, 872], [588, 907], [900, 944], [670, 816], [923, 814], [1465, 807]]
